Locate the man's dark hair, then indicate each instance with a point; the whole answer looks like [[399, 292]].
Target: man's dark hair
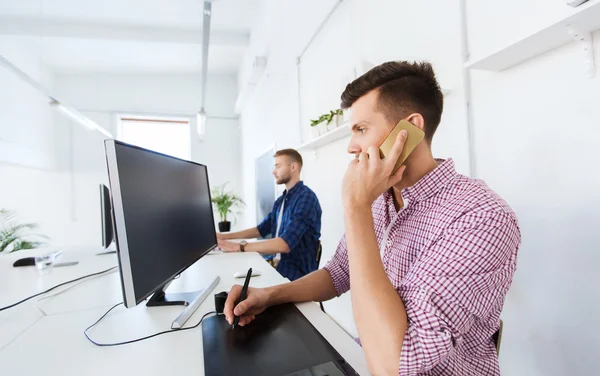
[[290, 153], [403, 88]]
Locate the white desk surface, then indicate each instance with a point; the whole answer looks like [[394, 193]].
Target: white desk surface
[[45, 335]]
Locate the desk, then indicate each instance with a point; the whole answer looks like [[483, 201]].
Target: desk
[[45, 337]]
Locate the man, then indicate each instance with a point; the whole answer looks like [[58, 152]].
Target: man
[[294, 223], [429, 253]]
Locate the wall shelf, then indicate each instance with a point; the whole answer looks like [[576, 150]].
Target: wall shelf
[[585, 18], [329, 137]]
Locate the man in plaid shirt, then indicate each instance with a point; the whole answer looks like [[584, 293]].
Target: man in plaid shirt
[[294, 223], [428, 254]]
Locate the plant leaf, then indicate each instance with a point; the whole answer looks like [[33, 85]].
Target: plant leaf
[[225, 202], [14, 236]]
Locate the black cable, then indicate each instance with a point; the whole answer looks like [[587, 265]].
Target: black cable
[[137, 339], [52, 288]]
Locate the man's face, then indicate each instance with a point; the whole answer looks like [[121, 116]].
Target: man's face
[[369, 126], [282, 170]]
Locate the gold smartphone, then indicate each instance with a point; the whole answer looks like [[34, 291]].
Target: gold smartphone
[[415, 135]]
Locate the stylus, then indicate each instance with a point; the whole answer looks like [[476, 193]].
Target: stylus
[[242, 297]]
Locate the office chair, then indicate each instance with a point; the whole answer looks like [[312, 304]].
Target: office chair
[[319, 253], [498, 337]]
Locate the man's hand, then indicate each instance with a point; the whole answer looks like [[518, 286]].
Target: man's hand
[[228, 246], [257, 300], [221, 236], [368, 176]]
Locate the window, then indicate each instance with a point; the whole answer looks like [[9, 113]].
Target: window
[[167, 136]]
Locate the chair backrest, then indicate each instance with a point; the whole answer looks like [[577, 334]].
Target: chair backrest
[[498, 338], [319, 252]]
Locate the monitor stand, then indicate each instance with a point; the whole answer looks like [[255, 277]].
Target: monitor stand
[[191, 300], [112, 248], [160, 298]]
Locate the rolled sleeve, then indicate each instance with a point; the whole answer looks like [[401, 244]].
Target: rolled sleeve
[[338, 268], [265, 228], [443, 303], [428, 340]]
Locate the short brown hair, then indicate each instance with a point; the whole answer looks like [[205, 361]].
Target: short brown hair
[[290, 153], [403, 88]]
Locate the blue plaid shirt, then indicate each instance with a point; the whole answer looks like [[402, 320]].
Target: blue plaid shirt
[[300, 228]]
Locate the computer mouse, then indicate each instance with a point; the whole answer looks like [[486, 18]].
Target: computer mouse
[[255, 273], [26, 261]]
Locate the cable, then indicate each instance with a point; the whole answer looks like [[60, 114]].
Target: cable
[[138, 339], [52, 288]]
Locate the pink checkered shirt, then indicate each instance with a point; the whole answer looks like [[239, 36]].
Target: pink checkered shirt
[[450, 253]]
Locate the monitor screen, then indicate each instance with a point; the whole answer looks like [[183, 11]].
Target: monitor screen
[[163, 216]]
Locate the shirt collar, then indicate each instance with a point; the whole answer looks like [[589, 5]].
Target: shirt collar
[[295, 188], [431, 183]]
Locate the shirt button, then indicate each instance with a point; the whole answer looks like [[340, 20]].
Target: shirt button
[[389, 243]]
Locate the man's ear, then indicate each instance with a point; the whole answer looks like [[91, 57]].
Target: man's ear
[[417, 120]]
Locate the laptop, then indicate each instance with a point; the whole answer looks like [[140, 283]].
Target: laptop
[[279, 342]]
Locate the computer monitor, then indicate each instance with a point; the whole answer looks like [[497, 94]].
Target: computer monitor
[[163, 220], [106, 221]]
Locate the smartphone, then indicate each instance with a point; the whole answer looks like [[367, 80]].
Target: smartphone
[[415, 135]]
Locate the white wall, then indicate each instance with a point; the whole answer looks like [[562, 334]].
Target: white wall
[[358, 30], [493, 25], [41, 153], [26, 125], [536, 134], [35, 176], [29, 183]]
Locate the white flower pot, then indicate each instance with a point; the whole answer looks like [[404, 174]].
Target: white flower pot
[[314, 132], [337, 121], [322, 128]]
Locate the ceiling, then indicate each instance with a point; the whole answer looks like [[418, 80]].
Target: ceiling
[[132, 36]]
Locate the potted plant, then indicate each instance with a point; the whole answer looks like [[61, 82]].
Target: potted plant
[[336, 117], [319, 126], [14, 236], [326, 122], [225, 202], [314, 128]]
